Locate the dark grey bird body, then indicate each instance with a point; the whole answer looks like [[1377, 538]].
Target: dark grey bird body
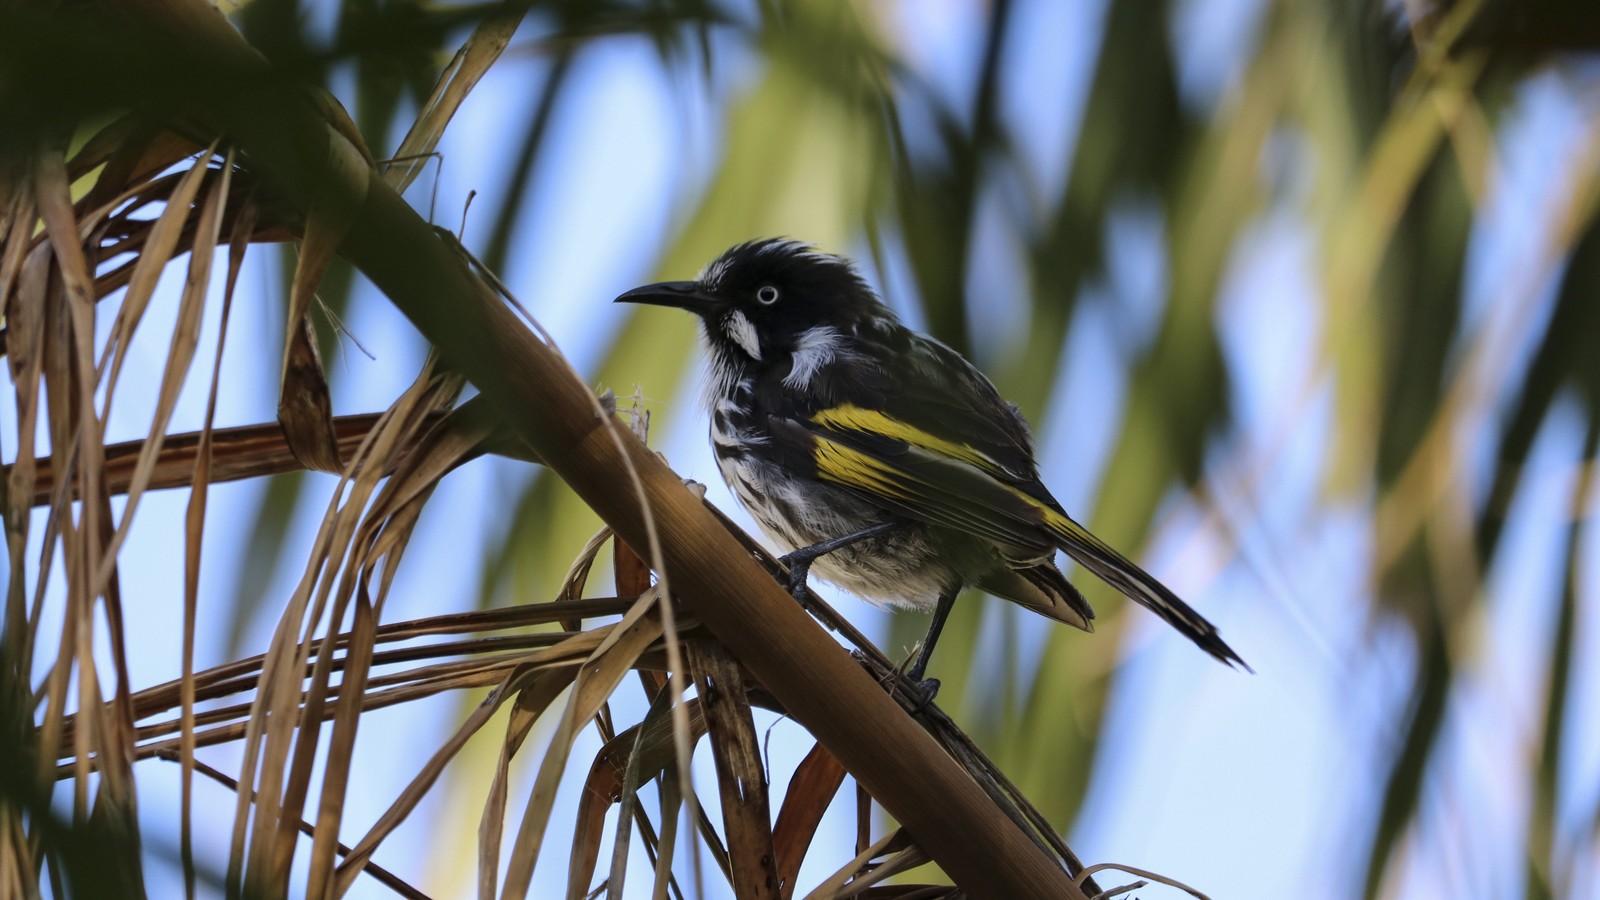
[[910, 567], [828, 417]]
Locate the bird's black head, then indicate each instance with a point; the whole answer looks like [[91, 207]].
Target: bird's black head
[[761, 297]]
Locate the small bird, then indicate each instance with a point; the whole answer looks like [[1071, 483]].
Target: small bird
[[880, 456]]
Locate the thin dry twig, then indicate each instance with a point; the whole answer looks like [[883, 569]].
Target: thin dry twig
[[380, 874], [1142, 873]]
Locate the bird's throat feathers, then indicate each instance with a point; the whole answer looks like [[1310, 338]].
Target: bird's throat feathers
[[737, 355]]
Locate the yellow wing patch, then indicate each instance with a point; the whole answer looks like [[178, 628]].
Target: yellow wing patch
[[849, 417], [846, 465], [921, 499], [850, 466]]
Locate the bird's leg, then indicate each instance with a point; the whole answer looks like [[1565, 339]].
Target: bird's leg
[[799, 561], [930, 687]]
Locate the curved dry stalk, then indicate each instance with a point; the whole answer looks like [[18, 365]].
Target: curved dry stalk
[[833, 884], [1142, 873]]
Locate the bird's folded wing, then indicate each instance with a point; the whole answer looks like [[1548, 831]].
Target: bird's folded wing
[[919, 476], [931, 479]]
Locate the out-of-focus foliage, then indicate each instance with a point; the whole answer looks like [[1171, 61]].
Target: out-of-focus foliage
[[1375, 130]]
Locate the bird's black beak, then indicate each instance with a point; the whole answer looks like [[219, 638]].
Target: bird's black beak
[[677, 294]]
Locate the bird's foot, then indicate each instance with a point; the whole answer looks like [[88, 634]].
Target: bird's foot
[[920, 693], [799, 565], [915, 694]]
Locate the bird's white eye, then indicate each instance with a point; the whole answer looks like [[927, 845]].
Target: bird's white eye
[[767, 295]]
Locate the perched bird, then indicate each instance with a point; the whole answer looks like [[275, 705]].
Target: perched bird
[[880, 455]]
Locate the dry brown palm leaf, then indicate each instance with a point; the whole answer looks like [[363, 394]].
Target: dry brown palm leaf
[[639, 628], [477, 663], [185, 338], [64, 266], [62, 262], [637, 754], [327, 592], [471, 61], [741, 776], [812, 788], [253, 451]]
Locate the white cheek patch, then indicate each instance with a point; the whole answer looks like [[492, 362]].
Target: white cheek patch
[[815, 349], [742, 332]]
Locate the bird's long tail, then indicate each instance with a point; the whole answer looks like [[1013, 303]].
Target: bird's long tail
[[1140, 586]]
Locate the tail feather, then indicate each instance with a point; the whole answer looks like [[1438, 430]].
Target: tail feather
[[1043, 589], [1141, 587]]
